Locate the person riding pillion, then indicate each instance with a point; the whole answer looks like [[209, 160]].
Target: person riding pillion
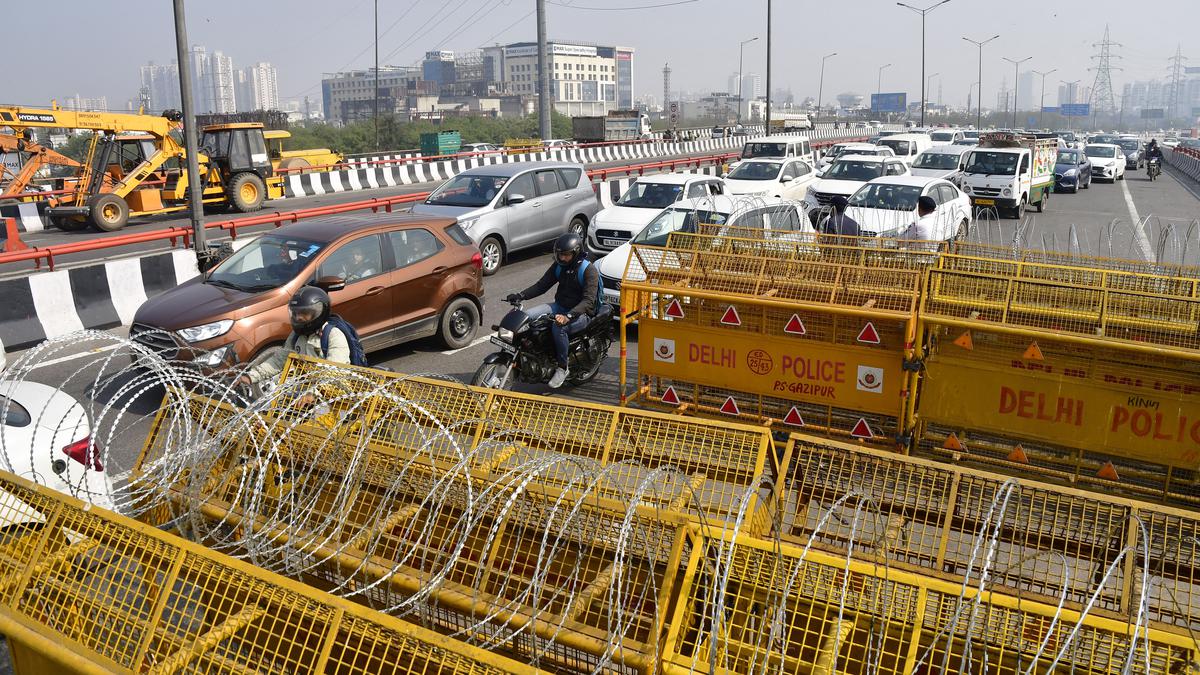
[[575, 301], [309, 311]]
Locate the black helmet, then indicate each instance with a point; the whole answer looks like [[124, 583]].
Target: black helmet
[[568, 242], [309, 310]]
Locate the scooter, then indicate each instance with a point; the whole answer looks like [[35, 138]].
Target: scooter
[[527, 350], [1154, 168]]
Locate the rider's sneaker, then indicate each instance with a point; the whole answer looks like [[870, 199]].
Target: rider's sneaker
[[559, 376]]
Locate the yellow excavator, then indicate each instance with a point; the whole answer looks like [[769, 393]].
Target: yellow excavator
[[134, 166]]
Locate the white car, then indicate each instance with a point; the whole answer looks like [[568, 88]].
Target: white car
[[852, 149], [945, 136], [1108, 161], [845, 176], [941, 161], [768, 213], [886, 207], [784, 178], [643, 200], [45, 437], [482, 149]]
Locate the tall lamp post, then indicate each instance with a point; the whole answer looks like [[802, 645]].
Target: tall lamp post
[[1042, 102], [979, 82], [1072, 84], [879, 82], [1016, 71], [923, 12], [969, 99], [929, 80], [741, 50], [821, 84]]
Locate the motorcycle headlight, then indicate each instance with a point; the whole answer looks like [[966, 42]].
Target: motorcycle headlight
[[468, 223], [1007, 192], [505, 334], [206, 332]]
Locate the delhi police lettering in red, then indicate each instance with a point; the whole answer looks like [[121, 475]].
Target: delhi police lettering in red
[[1155, 425], [820, 370], [1033, 405], [712, 356]]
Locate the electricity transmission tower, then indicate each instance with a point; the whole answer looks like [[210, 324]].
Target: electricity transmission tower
[[1176, 84], [1102, 90]]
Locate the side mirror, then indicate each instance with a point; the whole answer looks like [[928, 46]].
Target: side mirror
[[330, 283], [786, 178], [514, 199]]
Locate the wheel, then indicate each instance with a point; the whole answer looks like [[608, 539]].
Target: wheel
[[585, 377], [1088, 186], [489, 374], [109, 212], [246, 192], [1020, 210], [460, 321], [68, 224], [1122, 176], [1041, 206], [493, 254], [578, 226], [964, 231]]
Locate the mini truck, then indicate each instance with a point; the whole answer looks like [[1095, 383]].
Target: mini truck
[[1009, 171], [618, 125]]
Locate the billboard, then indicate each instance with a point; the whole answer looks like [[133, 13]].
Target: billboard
[[1076, 109], [884, 103], [1153, 113], [1049, 109], [1191, 70]]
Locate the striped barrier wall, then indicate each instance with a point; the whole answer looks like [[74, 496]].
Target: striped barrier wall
[[1184, 162]]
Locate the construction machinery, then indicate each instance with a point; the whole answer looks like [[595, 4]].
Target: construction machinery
[[127, 175], [28, 159], [297, 160]]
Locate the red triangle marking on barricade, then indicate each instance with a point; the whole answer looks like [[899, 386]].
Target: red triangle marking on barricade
[[1108, 472], [1018, 455], [675, 310], [795, 326], [862, 429], [952, 442], [793, 418], [730, 407], [868, 334], [730, 317], [669, 396]]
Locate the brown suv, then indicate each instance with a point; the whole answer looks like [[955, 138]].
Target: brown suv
[[395, 278]]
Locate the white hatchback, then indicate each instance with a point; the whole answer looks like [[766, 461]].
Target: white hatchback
[[783, 178], [887, 207]]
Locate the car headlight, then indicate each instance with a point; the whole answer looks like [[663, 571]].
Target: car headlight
[[1007, 192], [1069, 173], [218, 356], [206, 332], [967, 189], [467, 223]]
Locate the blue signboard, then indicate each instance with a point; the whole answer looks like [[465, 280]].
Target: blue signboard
[[884, 103], [1076, 109], [1030, 121], [1049, 109]]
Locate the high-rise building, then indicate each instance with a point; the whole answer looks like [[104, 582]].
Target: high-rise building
[[586, 79], [1069, 93], [350, 96], [160, 87], [732, 87], [78, 102], [213, 81], [438, 67], [752, 86], [257, 88], [1028, 93]]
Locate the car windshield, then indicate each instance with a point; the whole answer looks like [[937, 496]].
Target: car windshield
[[970, 134], [1067, 136], [269, 261], [898, 146], [854, 170], [887, 196], [942, 136], [993, 163], [468, 190], [755, 171], [676, 220], [1100, 151], [936, 160], [651, 195], [1129, 146], [764, 150]]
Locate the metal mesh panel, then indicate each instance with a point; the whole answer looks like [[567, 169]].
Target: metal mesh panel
[[1063, 259]]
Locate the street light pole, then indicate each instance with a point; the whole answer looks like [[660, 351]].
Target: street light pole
[[1042, 103], [929, 79], [1072, 84], [190, 142], [741, 51], [821, 85], [376, 74], [979, 112], [767, 115], [923, 12], [1016, 72], [879, 84]]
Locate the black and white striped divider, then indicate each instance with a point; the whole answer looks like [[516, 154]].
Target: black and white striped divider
[[103, 295], [1185, 163], [366, 159], [30, 216]]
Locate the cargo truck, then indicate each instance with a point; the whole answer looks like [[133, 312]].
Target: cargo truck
[[1008, 172], [618, 125]]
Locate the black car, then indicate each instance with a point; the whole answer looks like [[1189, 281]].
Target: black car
[[1072, 171]]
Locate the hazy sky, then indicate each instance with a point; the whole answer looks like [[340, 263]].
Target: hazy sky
[[95, 48]]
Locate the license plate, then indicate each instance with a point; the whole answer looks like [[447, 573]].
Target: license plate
[[502, 344], [611, 242], [986, 202]]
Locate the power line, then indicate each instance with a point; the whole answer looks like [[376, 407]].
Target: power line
[[1176, 82], [1103, 98]]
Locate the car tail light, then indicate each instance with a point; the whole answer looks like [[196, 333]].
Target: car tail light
[[83, 450], [477, 260]]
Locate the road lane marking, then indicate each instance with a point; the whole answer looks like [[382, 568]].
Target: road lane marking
[[1143, 241], [64, 359], [477, 341]]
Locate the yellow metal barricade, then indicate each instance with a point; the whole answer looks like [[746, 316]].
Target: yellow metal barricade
[[749, 605], [1085, 375], [1058, 258], [88, 591], [786, 338]]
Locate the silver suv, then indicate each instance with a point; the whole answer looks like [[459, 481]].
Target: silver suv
[[509, 207]]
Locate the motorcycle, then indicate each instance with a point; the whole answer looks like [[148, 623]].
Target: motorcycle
[[527, 350], [1154, 168]]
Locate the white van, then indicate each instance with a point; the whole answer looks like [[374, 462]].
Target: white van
[[942, 161], [946, 136], [907, 146], [778, 147]]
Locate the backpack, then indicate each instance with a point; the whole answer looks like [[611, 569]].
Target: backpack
[[358, 357], [583, 265]]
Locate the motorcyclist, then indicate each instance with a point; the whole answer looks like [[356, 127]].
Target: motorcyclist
[[309, 310], [1153, 152], [574, 304]]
